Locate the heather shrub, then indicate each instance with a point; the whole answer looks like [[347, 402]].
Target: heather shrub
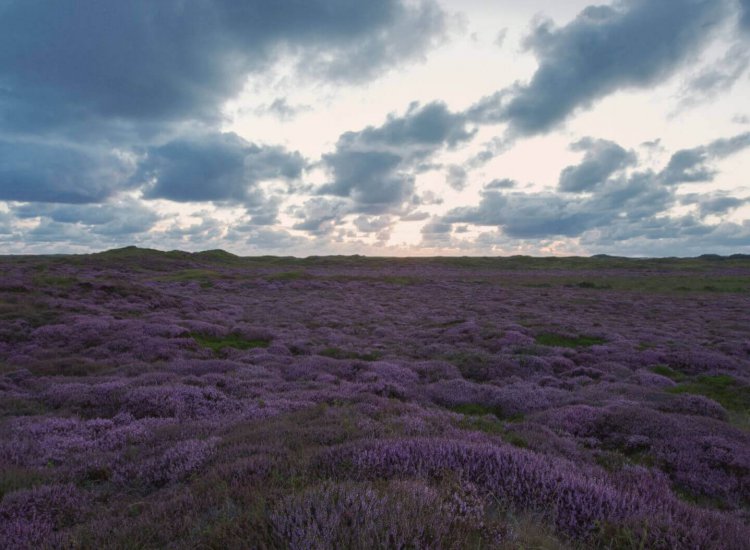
[[343, 409], [176, 401], [400, 514], [504, 401], [174, 464], [91, 400], [652, 379], [201, 367], [81, 448], [576, 500], [709, 466], [699, 361], [32, 518], [388, 372], [694, 405], [567, 341], [727, 390], [432, 371], [579, 420], [515, 338]]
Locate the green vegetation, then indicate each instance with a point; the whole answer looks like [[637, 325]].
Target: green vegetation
[[476, 409], [19, 406], [337, 353], [669, 372], [219, 343], [560, 341], [287, 276], [205, 277], [641, 281], [33, 311], [480, 410], [489, 420], [13, 478], [722, 388], [50, 280]]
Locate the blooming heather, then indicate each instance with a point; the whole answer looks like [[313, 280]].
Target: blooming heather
[[183, 400]]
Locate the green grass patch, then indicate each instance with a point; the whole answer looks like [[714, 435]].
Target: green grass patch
[[558, 340], [338, 353], [14, 478], [35, 312], [448, 324], [219, 343], [480, 421], [722, 388], [399, 280], [287, 276], [590, 285], [19, 406], [49, 280], [669, 372], [479, 410], [476, 409], [204, 277]]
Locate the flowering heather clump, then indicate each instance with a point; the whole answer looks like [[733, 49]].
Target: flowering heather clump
[[694, 404], [31, 518], [175, 401], [182, 400], [577, 500], [174, 464], [403, 514]]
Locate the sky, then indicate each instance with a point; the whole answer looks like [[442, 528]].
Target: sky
[[387, 127]]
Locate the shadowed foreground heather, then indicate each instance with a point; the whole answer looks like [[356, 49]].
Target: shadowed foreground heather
[[179, 400]]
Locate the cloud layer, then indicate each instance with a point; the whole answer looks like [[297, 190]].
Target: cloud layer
[[114, 127], [630, 44]]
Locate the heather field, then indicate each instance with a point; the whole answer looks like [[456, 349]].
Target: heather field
[[176, 400]]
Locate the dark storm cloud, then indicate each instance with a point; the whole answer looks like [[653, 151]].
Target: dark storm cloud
[[214, 167], [685, 236], [618, 207], [87, 89], [274, 239], [319, 216], [265, 212], [501, 184], [717, 78], [693, 165], [375, 167], [370, 178], [407, 33], [437, 226], [50, 231], [6, 223], [546, 214], [282, 109], [602, 159], [729, 146], [632, 43], [745, 15], [437, 233], [64, 62], [714, 203], [688, 166], [609, 198], [525, 215], [421, 127], [373, 224], [122, 218], [456, 177], [31, 171]]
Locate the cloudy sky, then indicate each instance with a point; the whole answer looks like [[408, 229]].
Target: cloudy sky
[[386, 127]]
